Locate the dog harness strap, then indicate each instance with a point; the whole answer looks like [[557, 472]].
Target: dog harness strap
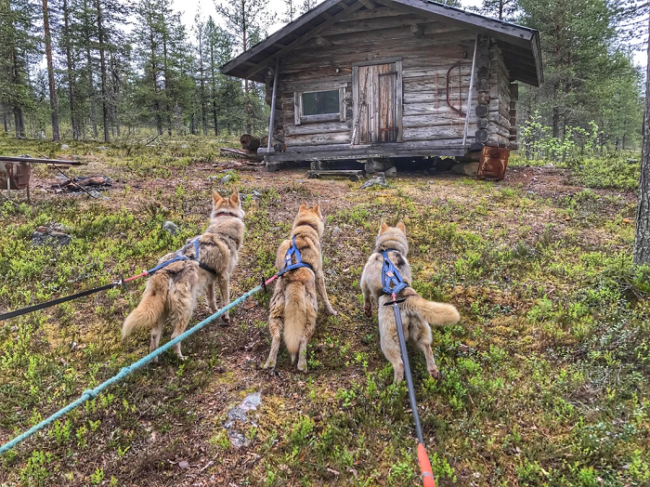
[[180, 256], [288, 258], [225, 213], [391, 279], [201, 264], [307, 224]]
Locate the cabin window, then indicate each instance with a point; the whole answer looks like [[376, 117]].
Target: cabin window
[[320, 106], [320, 102]]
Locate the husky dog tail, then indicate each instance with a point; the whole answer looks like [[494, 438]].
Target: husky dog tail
[[151, 308], [295, 317], [437, 314]]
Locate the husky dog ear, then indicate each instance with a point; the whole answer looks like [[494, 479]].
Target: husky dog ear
[[316, 209], [401, 226], [216, 197], [303, 207], [235, 198], [382, 228]]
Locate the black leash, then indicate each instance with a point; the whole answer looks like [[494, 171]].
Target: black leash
[[54, 302], [423, 458]]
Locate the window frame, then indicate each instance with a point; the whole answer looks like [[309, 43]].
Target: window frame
[[324, 117]]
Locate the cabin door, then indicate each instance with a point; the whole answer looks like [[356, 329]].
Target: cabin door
[[378, 103]]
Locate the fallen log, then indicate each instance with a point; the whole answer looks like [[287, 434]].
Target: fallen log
[[228, 152], [32, 160]]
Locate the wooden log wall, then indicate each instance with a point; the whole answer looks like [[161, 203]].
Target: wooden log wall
[[492, 113], [514, 97], [436, 60]]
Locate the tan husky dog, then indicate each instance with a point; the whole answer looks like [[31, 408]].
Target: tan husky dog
[[294, 305], [417, 312], [171, 293]]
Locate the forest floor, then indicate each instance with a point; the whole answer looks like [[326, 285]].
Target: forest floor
[[545, 378]]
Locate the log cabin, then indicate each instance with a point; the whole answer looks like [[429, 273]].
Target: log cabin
[[379, 79]]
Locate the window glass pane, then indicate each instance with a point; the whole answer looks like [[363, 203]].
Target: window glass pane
[[320, 102]]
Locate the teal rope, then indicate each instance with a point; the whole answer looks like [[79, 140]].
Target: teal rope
[[93, 393]]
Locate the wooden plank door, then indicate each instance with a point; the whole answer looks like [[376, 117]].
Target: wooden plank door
[[378, 103]]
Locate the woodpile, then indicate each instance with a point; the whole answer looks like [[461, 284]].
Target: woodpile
[[76, 184]]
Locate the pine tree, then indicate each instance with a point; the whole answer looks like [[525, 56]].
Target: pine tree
[[199, 29], [499, 9], [307, 5], [574, 34], [246, 19], [17, 43], [67, 43], [290, 11], [642, 232], [220, 52], [54, 103]]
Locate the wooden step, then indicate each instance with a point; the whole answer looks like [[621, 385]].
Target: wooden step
[[352, 174]]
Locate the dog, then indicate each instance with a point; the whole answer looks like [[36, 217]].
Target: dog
[[171, 293], [294, 304], [417, 312]]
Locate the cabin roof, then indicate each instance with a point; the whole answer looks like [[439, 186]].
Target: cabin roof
[[520, 45]]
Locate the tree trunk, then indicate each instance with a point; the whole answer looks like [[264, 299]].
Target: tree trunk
[[102, 63], [91, 84], [154, 79], [556, 122], [5, 121], [91, 92], [214, 91], [54, 103], [249, 127], [116, 94], [204, 116], [70, 69], [166, 86], [19, 121], [642, 235]]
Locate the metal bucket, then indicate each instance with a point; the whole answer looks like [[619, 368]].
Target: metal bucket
[[15, 175]]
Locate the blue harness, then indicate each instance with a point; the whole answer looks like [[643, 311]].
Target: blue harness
[[180, 256], [391, 279], [288, 258]]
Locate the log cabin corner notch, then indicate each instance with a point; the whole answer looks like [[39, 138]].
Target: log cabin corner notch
[[360, 79]]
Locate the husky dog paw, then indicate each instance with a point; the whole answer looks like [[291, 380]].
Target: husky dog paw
[[436, 374], [330, 311], [367, 310], [182, 358]]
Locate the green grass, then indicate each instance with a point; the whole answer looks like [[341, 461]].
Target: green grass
[[545, 378], [619, 171]]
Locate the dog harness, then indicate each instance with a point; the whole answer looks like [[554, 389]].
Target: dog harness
[[288, 258], [391, 280], [180, 256]]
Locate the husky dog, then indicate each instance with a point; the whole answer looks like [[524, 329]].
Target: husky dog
[[171, 293], [294, 305], [417, 312]]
